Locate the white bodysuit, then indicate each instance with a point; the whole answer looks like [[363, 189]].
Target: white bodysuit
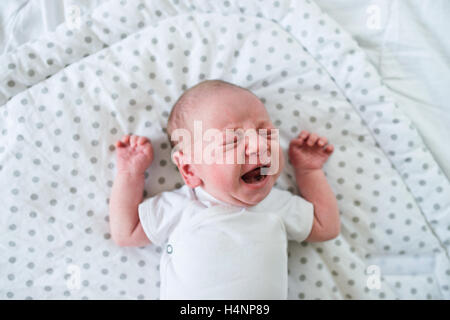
[[215, 250]]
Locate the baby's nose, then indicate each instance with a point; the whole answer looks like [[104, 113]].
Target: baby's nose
[[255, 145]]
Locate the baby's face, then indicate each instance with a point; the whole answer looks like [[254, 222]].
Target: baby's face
[[238, 181]]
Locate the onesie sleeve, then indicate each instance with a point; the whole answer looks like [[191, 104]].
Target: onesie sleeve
[[159, 214], [296, 213], [298, 218]]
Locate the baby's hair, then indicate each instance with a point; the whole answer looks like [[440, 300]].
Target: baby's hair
[[188, 101]]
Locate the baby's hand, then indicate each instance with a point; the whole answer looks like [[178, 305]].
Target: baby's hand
[[134, 154], [309, 151]]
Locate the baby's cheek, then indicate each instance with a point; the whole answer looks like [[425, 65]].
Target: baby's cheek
[[222, 176], [276, 160], [281, 160]]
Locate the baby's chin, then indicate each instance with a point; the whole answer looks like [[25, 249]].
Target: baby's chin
[[250, 195]]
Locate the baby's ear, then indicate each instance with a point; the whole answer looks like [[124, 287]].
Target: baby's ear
[[186, 169]]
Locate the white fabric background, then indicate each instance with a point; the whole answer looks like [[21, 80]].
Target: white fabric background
[[410, 50], [56, 160]]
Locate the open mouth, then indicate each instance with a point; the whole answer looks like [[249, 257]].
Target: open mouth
[[254, 176]]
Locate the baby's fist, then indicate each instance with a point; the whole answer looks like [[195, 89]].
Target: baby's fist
[[134, 154], [309, 151]]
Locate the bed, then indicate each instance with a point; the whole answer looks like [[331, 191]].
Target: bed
[[351, 75]]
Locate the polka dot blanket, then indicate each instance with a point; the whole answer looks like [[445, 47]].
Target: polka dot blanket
[[68, 96]]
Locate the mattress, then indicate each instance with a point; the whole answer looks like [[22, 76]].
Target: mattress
[[68, 96]]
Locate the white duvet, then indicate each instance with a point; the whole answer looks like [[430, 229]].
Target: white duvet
[[67, 97]]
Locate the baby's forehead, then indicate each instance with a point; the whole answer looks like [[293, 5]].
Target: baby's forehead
[[222, 114]]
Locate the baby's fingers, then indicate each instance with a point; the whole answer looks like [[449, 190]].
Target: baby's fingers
[[141, 140], [125, 139], [329, 149], [300, 138], [303, 135], [133, 140], [322, 141], [123, 142], [296, 143], [312, 139], [147, 148]]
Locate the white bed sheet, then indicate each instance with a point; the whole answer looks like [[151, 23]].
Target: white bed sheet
[[25, 20], [349, 224], [407, 42]]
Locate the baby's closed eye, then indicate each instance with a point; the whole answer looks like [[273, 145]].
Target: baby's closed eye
[[231, 140]]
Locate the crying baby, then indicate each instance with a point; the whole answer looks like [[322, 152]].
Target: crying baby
[[225, 232]]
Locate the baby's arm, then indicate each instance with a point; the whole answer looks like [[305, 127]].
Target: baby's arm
[[134, 155], [308, 153]]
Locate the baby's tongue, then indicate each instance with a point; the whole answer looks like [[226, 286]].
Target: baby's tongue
[[252, 176]]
